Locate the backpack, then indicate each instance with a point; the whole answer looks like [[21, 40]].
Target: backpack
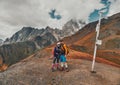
[[64, 49]]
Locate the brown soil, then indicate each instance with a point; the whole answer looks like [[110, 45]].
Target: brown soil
[[36, 70]]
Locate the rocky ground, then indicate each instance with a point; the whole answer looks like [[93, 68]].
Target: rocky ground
[[37, 71]]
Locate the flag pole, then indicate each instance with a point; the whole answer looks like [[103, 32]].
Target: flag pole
[[97, 42]]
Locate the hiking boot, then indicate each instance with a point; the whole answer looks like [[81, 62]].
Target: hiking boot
[[58, 68], [53, 70], [62, 69], [67, 70]]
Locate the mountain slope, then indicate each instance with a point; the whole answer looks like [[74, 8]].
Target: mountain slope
[[83, 40], [15, 52]]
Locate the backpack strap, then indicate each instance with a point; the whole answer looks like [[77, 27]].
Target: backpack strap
[[64, 48]]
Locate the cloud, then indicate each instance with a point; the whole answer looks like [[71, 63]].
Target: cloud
[[114, 7], [18, 13]]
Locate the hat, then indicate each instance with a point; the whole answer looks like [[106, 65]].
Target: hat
[[58, 43]]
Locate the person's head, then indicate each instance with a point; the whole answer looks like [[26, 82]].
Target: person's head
[[58, 44]]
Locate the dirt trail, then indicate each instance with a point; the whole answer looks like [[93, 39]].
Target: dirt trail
[[36, 71]]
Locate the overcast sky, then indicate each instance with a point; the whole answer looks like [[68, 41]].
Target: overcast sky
[[14, 14]]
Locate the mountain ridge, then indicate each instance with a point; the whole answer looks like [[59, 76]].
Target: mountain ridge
[[28, 33]]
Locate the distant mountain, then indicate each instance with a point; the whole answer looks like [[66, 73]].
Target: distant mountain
[[1, 41], [25, 42], [29, 33], [71, 27]]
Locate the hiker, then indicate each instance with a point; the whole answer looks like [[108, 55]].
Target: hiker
[[64, 52], [56, 54]]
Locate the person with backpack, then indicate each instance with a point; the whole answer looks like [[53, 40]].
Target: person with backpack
[[56, 54], [64, 52]]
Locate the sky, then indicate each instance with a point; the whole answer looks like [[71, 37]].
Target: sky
[[15, 14]]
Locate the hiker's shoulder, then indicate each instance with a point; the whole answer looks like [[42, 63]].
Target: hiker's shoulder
[[64, 45]]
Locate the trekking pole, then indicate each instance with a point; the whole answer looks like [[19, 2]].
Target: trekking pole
[[97, 42]]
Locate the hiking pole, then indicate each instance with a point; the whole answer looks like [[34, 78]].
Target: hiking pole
[[97, 42]]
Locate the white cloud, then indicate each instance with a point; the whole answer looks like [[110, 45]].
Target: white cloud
[[114, 8], [17, 13]]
